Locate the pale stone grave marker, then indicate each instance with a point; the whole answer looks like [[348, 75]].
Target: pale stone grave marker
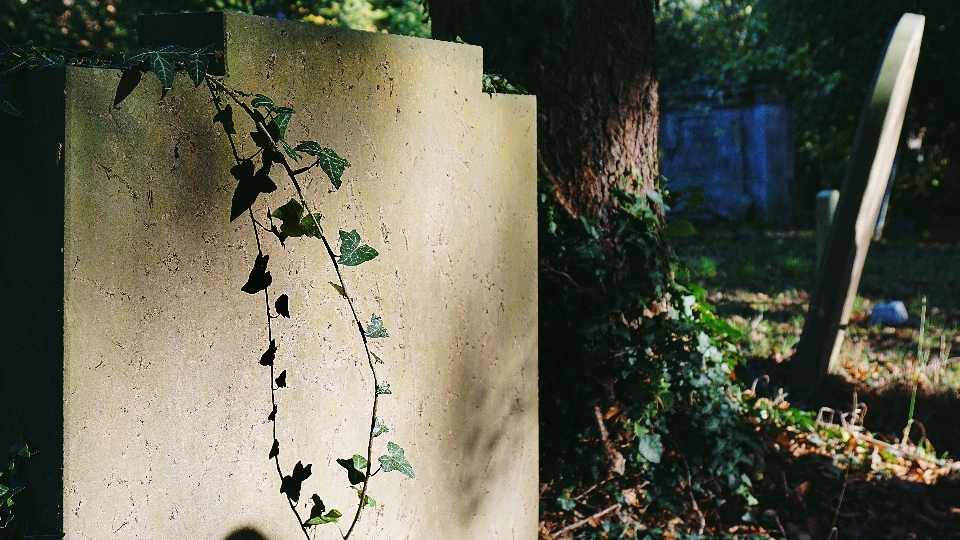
[[868, 173], [131, 358]]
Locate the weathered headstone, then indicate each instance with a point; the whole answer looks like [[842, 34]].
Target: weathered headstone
[[826, 208], [742, 158], [868, 173], [885, 204], [131, 358]]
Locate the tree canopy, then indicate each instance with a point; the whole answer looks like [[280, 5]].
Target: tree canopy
[[111, 24]]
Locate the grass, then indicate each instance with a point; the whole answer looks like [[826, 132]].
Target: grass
[[759, 280], [907, 378], [851, 475]]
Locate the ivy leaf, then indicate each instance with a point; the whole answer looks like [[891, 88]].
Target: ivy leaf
[[283, 306], [379, 428], [376, 358], [294, 222], [269, 355], [290, 215], [679, 228], [396, 461], [650, 447], [309, 147], [259, 278], [281, 380], [7, 103], [310, 224], [351, 252], [289, 151], [277, 127], [291, 484], [138, 57], [356, 468], [332, 164], [196, 64], [566, 502], [275, 450], [375, 329], [263, 101], [6, 499], [163, 64], [383, 388], [367, 500], [655, 197], [330, 517], [339, 289]]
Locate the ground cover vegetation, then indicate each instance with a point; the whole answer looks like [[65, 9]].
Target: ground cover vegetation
[[893, 486], [608, 282], [643, 429]]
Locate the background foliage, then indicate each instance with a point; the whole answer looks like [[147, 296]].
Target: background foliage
[[822, 57], [111, 24]]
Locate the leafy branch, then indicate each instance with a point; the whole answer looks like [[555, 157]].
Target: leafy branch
[[163, 61]]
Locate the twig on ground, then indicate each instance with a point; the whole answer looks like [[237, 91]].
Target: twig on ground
[[616, 461], [585, 520]]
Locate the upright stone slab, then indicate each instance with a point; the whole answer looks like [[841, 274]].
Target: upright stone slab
[[132, 355], [742, 158], [867, 175], [826, 207]]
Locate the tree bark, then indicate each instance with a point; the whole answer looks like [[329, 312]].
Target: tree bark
[[592, 66]]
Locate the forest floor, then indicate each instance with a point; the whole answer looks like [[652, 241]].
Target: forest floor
[[856, 475]]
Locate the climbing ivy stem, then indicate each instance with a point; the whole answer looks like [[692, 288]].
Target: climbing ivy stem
[[292, 175], [353, 310], [273, 389]]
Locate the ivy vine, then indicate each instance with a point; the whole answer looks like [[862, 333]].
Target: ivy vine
[[10, 482], [638, 379], [254, 176]]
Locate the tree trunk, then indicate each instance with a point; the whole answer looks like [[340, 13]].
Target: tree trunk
[[592, 66]]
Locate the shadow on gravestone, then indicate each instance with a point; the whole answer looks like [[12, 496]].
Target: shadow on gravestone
[[867, 175], [245, 533]]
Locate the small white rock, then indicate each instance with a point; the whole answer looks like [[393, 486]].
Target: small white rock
[[889, 313]]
